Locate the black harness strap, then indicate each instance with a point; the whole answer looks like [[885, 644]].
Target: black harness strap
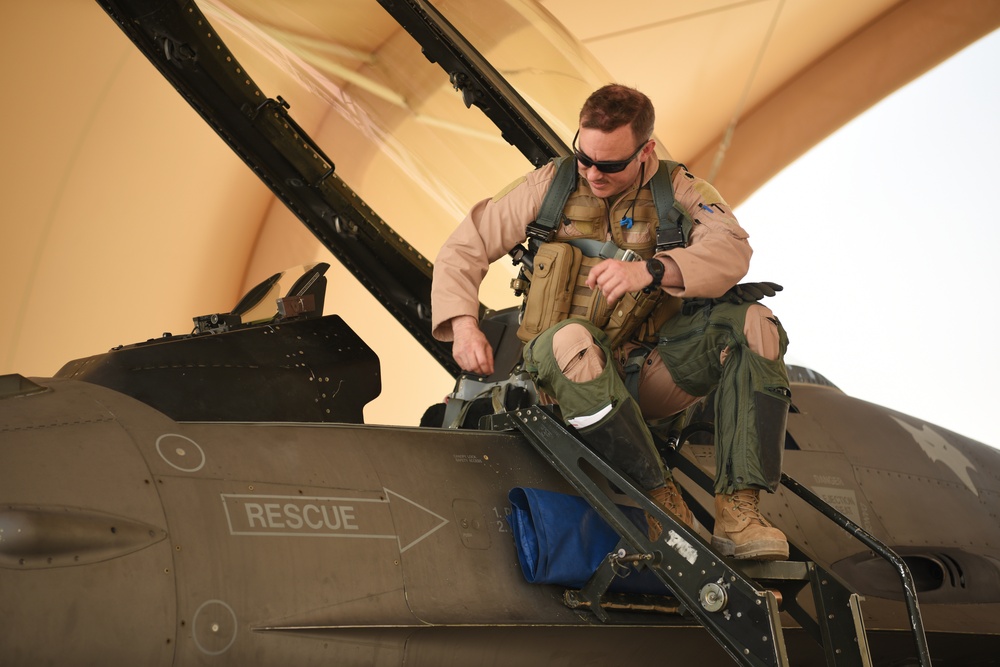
[[551, 212], [674, 229]]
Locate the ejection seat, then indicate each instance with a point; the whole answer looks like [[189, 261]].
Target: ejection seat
[[296, 291], [509, 388]]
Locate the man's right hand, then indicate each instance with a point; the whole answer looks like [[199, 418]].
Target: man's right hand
[[471, 350]]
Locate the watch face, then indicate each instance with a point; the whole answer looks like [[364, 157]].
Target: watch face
[[656, 270]]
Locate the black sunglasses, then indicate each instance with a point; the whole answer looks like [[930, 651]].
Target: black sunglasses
[[605, 166]]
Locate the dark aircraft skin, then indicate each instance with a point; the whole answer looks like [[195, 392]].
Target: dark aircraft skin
[[216, 499], [129, 537]]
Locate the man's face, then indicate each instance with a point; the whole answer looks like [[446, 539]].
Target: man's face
[[613, 146]]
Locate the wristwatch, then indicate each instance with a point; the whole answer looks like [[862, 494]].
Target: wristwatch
[[656, 269]]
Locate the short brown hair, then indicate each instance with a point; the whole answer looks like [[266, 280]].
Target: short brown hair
[[614, 105]]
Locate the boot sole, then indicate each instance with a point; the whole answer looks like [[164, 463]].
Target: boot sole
[[753, 550]]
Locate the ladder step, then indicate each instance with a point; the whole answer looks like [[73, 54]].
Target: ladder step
[[773, 570]]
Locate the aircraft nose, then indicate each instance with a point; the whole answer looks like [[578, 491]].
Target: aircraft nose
[[56, 537]]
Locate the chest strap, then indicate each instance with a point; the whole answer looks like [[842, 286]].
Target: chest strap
[[550, 213], [673, 230], [675, 225], [606, 250]]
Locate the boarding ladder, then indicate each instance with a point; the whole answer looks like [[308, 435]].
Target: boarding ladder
[[736, 601]]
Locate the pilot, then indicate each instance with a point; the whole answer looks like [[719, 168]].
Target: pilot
[[652, 318]]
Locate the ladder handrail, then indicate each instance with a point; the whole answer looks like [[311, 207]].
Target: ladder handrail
[[870, 541], [673, 445]]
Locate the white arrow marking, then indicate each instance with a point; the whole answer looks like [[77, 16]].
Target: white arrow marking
[[444, 521], [265, 515]]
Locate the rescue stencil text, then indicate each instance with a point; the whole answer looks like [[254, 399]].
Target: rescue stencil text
[[307, 516]]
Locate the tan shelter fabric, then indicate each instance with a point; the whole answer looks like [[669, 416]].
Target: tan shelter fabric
[[126, 216]]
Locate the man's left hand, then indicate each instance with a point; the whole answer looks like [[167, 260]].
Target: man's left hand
[[616, 278]]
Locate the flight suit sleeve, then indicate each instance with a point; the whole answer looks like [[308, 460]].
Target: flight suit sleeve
[[718, 254], [492, 228]]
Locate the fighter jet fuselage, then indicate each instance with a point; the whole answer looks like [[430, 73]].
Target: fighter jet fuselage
[[216, 498]]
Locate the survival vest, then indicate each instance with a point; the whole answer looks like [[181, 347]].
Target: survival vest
[[553, 274]]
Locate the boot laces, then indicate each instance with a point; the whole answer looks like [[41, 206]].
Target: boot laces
[[745, 504], [671, 498]]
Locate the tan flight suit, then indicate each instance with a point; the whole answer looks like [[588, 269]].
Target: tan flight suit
[[715, 259]]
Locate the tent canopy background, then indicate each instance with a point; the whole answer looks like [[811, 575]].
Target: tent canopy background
[[126, 216]]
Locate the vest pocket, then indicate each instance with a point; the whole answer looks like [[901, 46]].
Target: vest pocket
[[629, 313], [587, 303], [583, 222], [550, 294]]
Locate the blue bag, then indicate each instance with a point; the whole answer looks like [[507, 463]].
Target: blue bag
[[561, 539]]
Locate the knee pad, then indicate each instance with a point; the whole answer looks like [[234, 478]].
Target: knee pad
[[577, 354], [763, 332], [620, 434], [575, 398]]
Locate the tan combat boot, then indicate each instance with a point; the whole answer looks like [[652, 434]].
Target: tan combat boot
[[669, 497], [742, 532]]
